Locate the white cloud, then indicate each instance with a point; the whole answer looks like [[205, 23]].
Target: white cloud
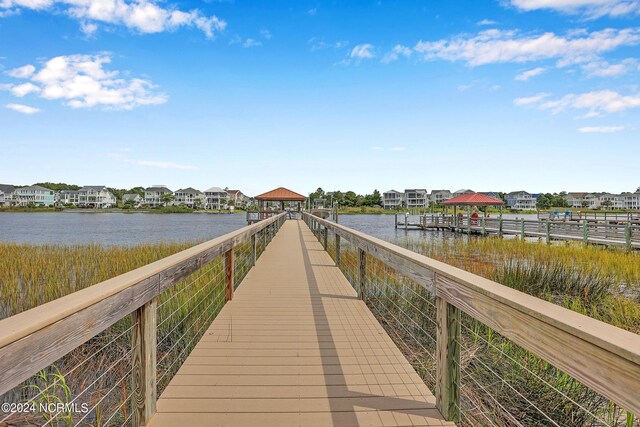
[[251, 43], [589, 8], [21, 108], [486, 22], [600, 129], [501, 46], [144, 16], [596, 103], [81, 82], [398, 148], [397, 51], [22, 72], [362, 51], [319, 44], [528, 100], [24, 89], [605, 69], [88, 28], [266, 34], [526, 75], [312, 12]]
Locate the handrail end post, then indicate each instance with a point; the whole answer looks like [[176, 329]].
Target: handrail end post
[[448, 360], [143, 373]]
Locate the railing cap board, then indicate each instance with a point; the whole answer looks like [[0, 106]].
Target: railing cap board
[[27, 322], [623, 343]]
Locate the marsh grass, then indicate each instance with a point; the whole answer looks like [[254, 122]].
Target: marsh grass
[[503, 384]]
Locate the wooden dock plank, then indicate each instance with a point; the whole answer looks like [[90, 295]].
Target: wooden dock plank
[[296, 346]]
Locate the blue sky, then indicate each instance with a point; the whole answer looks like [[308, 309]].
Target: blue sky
[[489, 95]]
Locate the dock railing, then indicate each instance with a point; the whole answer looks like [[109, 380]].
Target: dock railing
[[492, 355], [102, 355]]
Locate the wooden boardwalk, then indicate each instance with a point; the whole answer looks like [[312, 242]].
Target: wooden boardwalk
[[296, 347]]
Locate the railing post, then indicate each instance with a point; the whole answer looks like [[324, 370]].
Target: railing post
[[627, 235], [500, 227], [448, 360], [522, 228], [585, 232], [143, 374], [325, 238], [228, 273], [337, 250], [484, 226], [254, 250], [548, 232], [362, 273]]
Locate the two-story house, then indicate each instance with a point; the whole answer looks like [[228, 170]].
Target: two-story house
[[132, 199], [631, 200], [157, 196], [189, 197], [67, 197], [238, 198], [392, 199], [215, 198], [35, 195], [416, 198], [6, 195], [96, 196], [521, 200], [611, 201], [439, 196]]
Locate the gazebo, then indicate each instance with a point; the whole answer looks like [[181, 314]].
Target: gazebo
[[280, 195], [472, 199]]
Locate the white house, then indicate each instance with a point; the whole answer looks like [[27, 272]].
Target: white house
[[67, 197], [189, 197], [521, 200], [631, 200], [6, 195], [153, 196], [416, 198], [96, 196], [238, 198], [215, 198], [392, 199], [439, 196], [611, 201]]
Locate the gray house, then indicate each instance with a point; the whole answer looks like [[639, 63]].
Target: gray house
[[133, 198], [153, 196], [6, 195], [215, 198], [189, 197], [392, 199], [96, 196]]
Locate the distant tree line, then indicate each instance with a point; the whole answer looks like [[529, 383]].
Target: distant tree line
[[555, 200], [347, 199]]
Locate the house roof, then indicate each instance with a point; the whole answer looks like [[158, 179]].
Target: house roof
[[215, 190], [513, 193], [577, 195], [282, 194], [189, 190], [440, 191], [93, 187], [132, 196], [157, 188], [465, 190], [473, 199], [392, 191], [5, 188], [234, 192]]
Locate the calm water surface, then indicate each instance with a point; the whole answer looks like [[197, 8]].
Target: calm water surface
[[71, 228]]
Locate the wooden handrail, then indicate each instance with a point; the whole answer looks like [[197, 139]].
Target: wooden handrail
[[32, 340], [603, 357]]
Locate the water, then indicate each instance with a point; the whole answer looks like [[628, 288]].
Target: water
[[71, 228]]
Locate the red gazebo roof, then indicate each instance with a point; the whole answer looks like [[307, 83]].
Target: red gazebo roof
[[281, 194], [473, 199]]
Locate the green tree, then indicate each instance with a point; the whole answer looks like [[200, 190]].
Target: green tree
[[350, 199], [166, 198]]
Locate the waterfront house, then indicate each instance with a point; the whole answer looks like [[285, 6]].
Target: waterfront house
[[463, 191], [611, 201], [439, 196], [575, 199], [155, 196], [238, 198], [631, 200], [134, 199], [189, 197], [215, 198], [6, 195], [67, 197], [521, 200], [416, 198], [392, 199], [34, 195], [96, 196]]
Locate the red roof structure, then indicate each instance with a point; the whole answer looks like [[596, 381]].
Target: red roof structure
[[473, 199], [281, 194]]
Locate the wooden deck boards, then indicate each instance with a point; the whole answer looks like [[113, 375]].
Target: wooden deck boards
[[296, 348]]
